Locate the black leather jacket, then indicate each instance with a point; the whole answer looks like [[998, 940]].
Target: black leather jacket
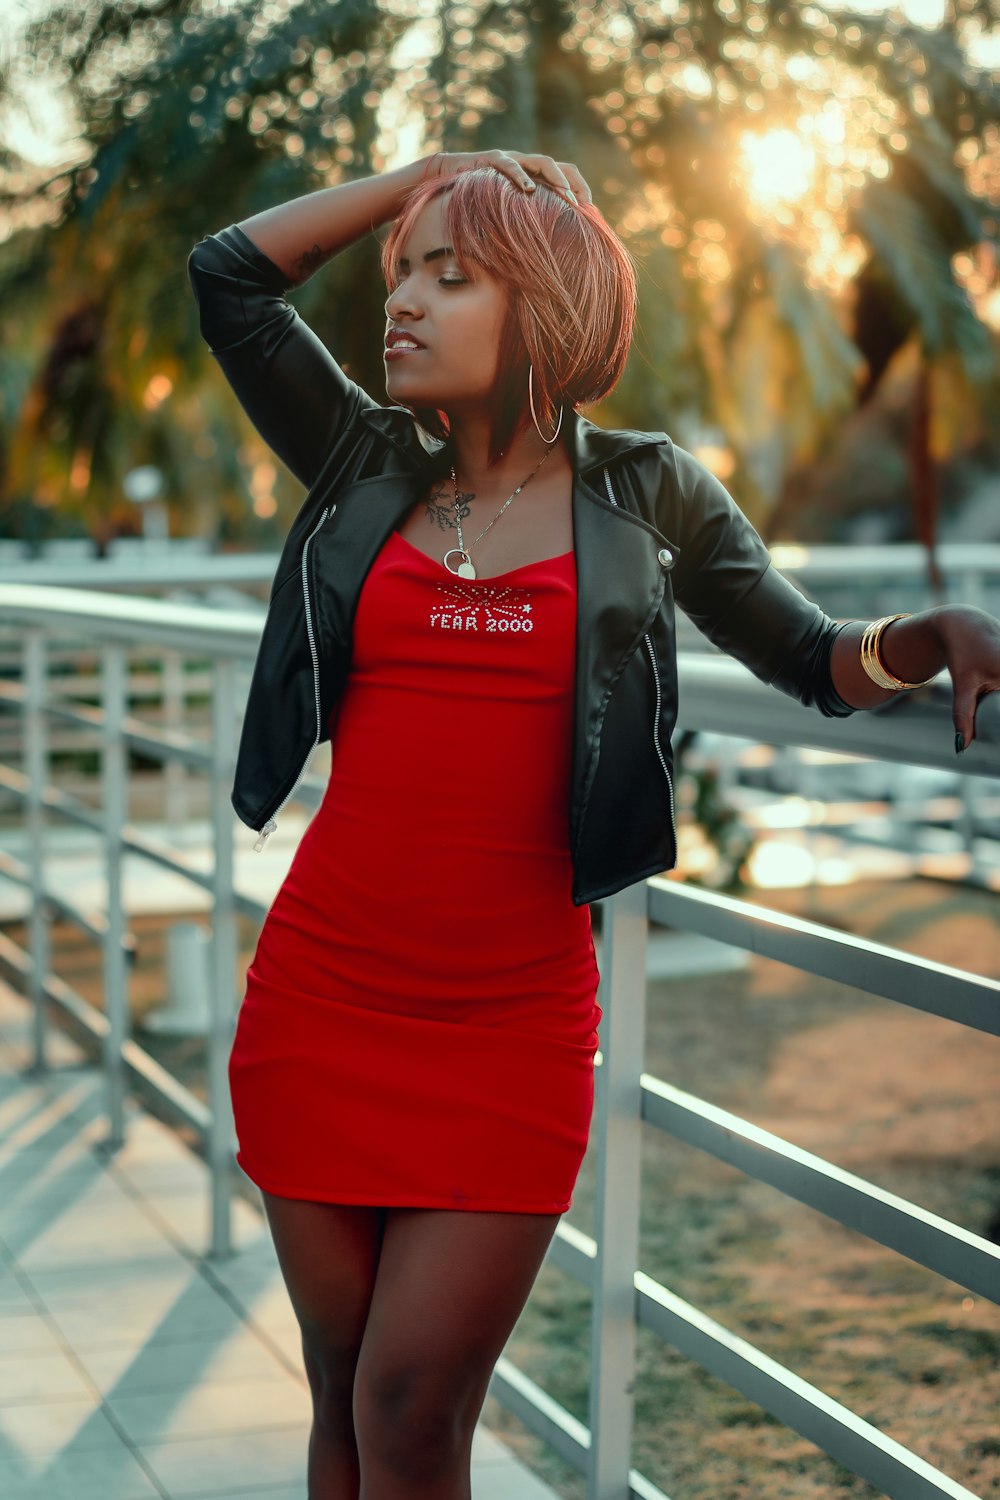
[[652, 527]]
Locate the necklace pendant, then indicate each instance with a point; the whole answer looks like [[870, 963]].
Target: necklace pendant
[[464, 567]]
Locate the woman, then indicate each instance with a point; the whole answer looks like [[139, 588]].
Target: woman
[[475, 604]]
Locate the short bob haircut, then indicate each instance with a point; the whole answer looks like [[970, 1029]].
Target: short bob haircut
[[571, 285]]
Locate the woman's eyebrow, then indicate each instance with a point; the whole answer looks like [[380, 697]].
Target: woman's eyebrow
[[431, 255]]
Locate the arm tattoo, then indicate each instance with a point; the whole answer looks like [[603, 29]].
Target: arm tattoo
[[308, 262]]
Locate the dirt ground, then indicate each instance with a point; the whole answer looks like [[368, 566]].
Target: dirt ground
[[904, 1099]]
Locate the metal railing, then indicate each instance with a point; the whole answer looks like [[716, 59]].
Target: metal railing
[[868, 580], [847, 580], [155, 570], [715, 693]]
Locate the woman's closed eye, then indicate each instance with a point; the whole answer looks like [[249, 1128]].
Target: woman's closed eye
[[442, 281]]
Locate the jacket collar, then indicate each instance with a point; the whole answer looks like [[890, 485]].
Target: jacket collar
[[588, 445]]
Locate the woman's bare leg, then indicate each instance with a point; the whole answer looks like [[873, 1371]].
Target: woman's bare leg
[[329, 1253], [449, 1289]]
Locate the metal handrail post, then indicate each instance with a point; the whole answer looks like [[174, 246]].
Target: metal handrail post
[[174, 702], [972, 588], [114, 794], [36, 772], [223, 986], [618, 1110], [965, 823]]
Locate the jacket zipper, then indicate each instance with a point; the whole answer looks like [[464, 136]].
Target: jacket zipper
[[659, 699], [269, 827]]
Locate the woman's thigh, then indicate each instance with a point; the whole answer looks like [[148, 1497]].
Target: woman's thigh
[[328, 1254], [449, 1290]]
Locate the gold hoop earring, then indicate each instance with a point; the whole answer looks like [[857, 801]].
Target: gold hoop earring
[[534, 418]]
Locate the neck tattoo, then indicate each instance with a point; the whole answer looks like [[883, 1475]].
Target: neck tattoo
[[465, 567], [444, 515]]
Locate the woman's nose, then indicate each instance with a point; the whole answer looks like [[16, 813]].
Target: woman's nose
[[400, 305]]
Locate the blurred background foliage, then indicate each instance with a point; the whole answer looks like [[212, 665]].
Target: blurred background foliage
[[811, 194]]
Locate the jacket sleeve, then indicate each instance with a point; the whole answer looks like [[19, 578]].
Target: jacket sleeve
[[283, 375], [728, 587]]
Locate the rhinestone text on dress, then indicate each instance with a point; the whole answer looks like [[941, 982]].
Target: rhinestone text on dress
[[496, 611]]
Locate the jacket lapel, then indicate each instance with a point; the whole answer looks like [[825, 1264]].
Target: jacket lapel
[[619, 586], [347, 545]]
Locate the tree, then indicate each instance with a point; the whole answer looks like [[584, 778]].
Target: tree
[[194, 115]]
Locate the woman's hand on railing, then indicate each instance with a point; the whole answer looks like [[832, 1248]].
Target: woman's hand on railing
[[970, 639], [915, 648]]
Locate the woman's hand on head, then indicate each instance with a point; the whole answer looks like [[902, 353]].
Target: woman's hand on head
[[525, 170]]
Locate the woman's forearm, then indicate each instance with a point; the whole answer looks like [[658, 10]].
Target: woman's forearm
[[911, 650], [303, 234]]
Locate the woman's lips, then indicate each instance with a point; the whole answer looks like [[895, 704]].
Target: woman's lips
[[396, 351]]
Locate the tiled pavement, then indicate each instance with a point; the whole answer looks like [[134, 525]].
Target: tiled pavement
[[132, 1366]]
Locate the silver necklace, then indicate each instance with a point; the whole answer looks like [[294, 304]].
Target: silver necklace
[[465, 567]]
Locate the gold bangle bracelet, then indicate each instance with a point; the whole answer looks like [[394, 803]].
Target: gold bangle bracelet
[[872, 661]]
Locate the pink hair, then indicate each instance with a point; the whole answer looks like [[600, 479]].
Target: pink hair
[[571, 286]]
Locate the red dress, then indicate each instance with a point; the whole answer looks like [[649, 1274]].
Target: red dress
[[420, 1018]]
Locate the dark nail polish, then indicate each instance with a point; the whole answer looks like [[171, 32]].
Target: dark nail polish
[[959, 742]]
